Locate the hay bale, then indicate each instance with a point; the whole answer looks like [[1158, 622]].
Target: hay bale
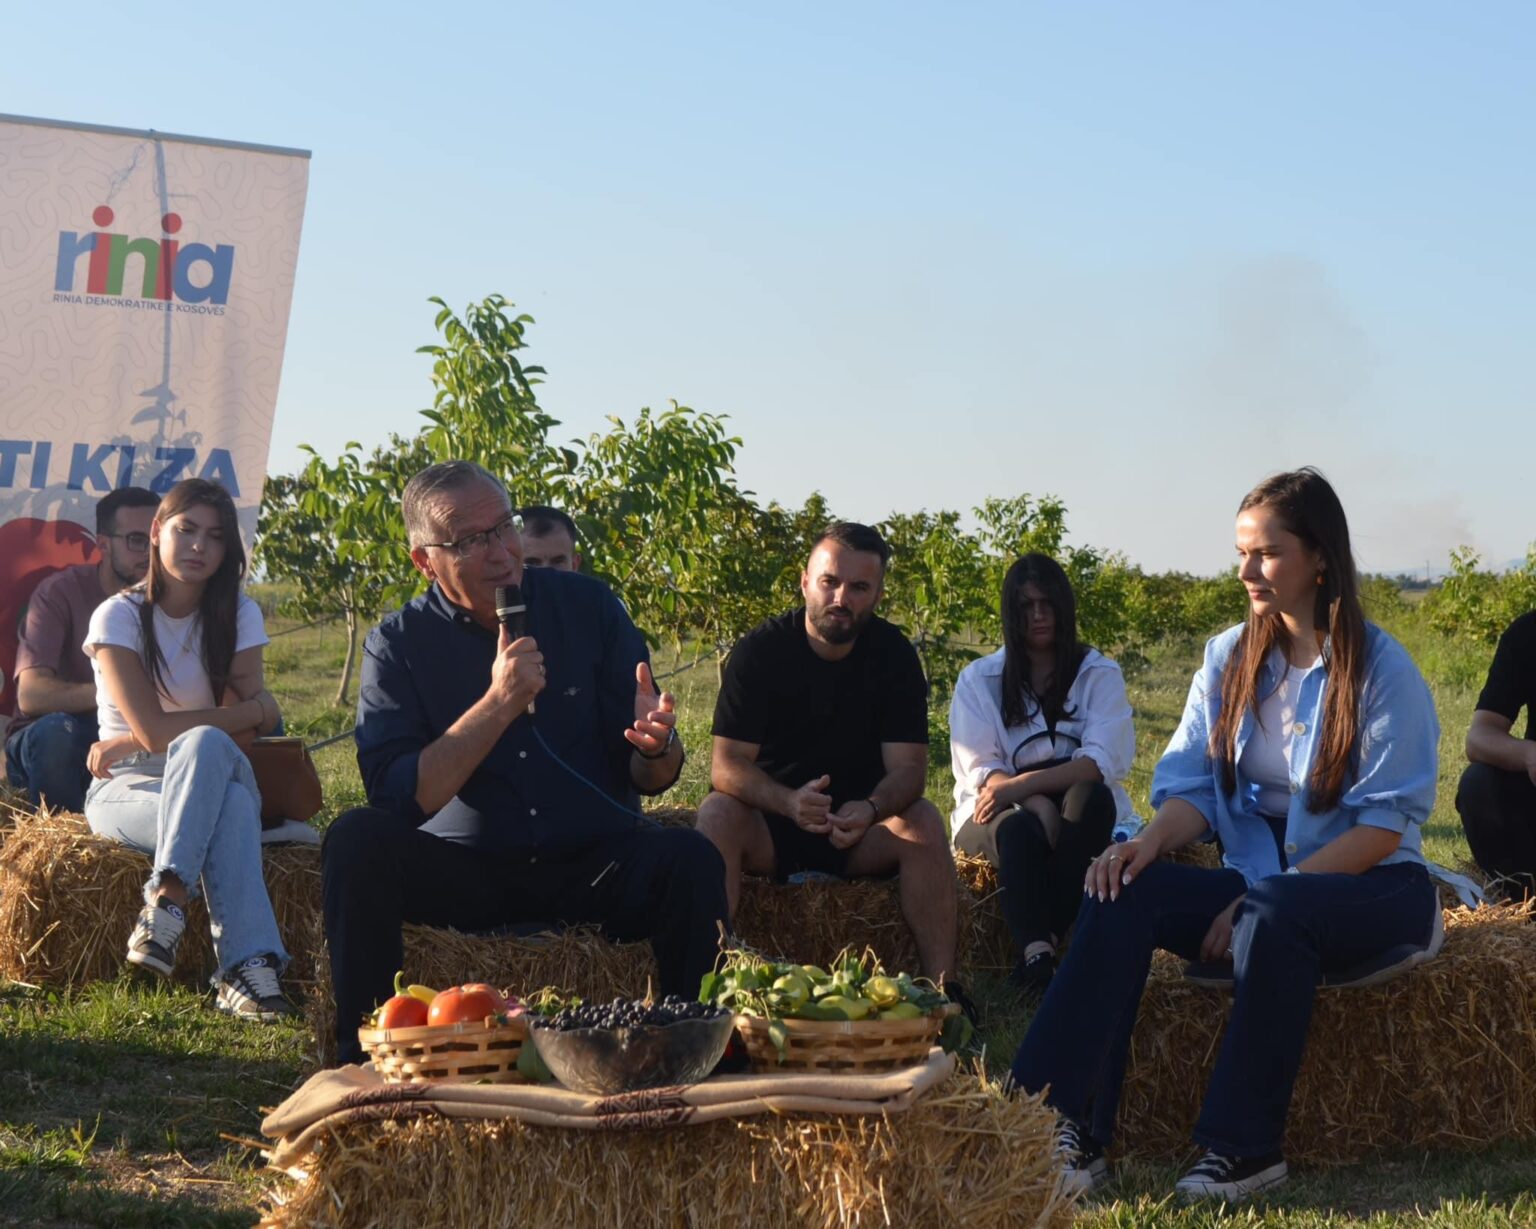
[[578, 960], [1198, 853], [990, 946], [812, 922], [13, 804], [964, 1155], [68, 899], [809, 922], [1441, 1057]]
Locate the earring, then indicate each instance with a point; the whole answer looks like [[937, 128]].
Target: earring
[[1319, 579]]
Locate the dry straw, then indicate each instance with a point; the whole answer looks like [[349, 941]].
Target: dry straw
[[1441, 1057], [964, 1155], [68, 899], [809, 923]]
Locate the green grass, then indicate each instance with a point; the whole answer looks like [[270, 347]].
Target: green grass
[[115, 1100]]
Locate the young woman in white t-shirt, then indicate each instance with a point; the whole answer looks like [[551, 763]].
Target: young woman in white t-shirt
[[178, 686]]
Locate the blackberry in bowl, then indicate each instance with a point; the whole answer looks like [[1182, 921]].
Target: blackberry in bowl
[[608, 1048]]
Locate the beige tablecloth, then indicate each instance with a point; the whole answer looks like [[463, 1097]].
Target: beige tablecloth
[[357, 1094]]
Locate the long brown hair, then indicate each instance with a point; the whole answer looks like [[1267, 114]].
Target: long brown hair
[[220, 599], [1020, 703], [1308, 507]]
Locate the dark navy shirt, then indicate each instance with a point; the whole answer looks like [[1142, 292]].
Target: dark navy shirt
[[425, 665]]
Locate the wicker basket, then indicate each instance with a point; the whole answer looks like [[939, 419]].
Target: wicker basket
[[468, 1052], [851, 1046]]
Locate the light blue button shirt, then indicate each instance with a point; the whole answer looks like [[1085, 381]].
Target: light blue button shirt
[[1391, 786]]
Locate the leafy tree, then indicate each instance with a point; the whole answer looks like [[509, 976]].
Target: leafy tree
[[1021, 525], [1479, 603], [649, 499], [936, 592], [752, 569], [484, 408]]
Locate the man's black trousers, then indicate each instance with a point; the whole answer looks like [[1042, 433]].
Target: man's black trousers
[[379, 871], [1498, 812]]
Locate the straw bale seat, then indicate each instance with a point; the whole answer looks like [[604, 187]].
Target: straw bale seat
[[1443, 1056], [577, 960], [68, 899], [809, 922], [963, 1155]]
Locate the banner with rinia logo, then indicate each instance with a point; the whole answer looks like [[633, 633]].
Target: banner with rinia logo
[[145, 282]]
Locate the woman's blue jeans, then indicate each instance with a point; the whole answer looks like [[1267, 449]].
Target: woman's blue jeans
[[1288, 931], [200, 820]]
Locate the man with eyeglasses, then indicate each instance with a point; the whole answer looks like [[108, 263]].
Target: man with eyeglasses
[[503, 774], [46, 746]]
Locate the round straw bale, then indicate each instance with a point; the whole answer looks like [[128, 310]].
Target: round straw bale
[[68, 899], [1443, 1056], [964, 1155]]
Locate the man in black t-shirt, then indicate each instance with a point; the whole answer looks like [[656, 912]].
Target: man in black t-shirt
[[1497, 794], [821, 748]]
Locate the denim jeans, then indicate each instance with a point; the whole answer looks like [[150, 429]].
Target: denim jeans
[[200, 819], [46, 758], [1288, 930]]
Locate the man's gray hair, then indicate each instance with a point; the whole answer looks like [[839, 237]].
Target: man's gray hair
[[427, 489]]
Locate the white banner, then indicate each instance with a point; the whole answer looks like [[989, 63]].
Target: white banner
[[145, 281]]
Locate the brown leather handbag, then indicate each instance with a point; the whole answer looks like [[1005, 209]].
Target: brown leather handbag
[[287, 778]]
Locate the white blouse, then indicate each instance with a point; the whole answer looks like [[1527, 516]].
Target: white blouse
[[1100, 729]]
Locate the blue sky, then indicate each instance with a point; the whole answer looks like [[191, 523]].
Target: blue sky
[[1135, 255]]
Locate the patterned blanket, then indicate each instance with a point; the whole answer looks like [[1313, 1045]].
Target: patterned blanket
[[357, 1094]]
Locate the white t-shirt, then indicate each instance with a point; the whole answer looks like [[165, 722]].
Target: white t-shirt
[[1267, 753], [116, 622]]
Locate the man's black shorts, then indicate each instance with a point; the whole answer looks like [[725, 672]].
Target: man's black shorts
[[795, 849]]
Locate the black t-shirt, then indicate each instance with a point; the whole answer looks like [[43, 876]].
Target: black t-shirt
[[810, 716], [1511, 683]]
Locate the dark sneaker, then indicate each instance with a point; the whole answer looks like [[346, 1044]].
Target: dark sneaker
[[251, 992], [156, 935], [1033, 974], [1218, 1176], [1084, 1166]]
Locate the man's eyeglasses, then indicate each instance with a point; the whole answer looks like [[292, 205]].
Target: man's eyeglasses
[[477, 543], [136, 541]]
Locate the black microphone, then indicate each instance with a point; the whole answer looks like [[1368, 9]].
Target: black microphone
[[512, 614]]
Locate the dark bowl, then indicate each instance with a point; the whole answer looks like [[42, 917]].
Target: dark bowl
[[605, 1061]]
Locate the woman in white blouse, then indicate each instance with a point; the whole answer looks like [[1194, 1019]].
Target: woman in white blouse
[[1041, 739], [179, 685]]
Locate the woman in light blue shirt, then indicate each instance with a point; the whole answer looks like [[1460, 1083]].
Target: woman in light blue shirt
[[1308, 749]]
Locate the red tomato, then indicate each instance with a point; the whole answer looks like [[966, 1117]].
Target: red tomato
[[461, 1003], [491, 990], [403, 1011]]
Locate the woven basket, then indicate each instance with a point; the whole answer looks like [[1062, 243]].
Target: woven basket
[[850, 1046], [468, 1052]]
